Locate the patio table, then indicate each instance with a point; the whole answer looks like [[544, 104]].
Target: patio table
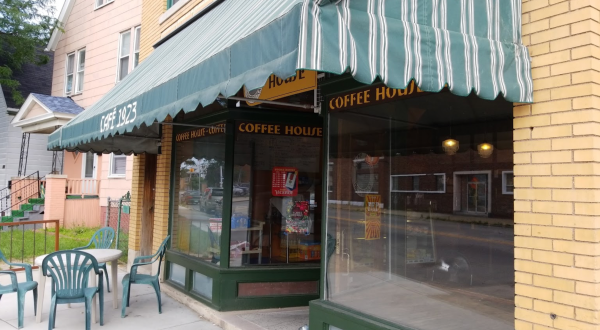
[[101, 255]]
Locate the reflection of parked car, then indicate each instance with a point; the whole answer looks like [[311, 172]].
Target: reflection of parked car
[[211, 200], [244, 186], [238, 191], [190, 197]]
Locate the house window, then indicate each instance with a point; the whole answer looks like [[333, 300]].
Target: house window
[[80, 69], [117, 165], [419, 183], [171, 3], [508, 182], [69, 75], [129, 49], [101, 3], [136, 46]]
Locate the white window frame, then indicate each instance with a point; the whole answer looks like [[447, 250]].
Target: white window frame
[[105, 2], [137, 34], [504, 191], [83, 166], [76, 79], [110, 166], [443, 175], [132, 51], [71, 74]]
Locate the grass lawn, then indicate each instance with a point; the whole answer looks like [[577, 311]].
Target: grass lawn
[[24, 246]]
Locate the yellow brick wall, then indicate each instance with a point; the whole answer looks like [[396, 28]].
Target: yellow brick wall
[[163, 185], [137, 194], [153, 31], [557, 169]]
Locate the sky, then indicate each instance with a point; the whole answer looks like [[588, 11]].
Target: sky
[[58, 5]]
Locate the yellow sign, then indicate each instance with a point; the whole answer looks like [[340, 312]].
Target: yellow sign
[[372, 217], [276, 88], [276, 129], [200, 132], [373, 95]]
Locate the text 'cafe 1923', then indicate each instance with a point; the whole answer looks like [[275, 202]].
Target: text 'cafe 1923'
[[348, 180]]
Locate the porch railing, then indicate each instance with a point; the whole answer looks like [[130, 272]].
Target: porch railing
[[24, 241], [19, 192], [83, 187]]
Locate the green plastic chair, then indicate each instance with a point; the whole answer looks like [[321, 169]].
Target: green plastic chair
[[102, 239], [134, 278], [70, 272], [20, 288]]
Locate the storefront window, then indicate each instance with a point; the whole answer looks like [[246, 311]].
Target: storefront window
[[199, 175], [276, 181], [423, 234]]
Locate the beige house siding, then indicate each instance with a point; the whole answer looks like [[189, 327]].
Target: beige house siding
[[36, 110], [154, 30], [557, 170], [98, 32]]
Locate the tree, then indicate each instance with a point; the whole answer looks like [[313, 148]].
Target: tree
[[25, 28]]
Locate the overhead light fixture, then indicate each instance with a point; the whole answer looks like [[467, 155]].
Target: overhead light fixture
[[485, 150], [450, 146]]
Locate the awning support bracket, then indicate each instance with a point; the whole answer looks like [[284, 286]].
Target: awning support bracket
[[287, 104]]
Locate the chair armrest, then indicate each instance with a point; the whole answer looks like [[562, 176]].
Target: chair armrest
[[83, 247], [145, 257], [13, 278], [27, 267], [134, 267]]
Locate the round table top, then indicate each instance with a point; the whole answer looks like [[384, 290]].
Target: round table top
[[101, 255]]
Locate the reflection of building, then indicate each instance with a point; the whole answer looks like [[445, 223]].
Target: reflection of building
[[441, 243]]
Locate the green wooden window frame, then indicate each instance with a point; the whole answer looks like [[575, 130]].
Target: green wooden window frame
[[170, 3]]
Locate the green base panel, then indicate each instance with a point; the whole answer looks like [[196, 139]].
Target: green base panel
[[37, 201], [17, 214], [7, 219], [26, 207]]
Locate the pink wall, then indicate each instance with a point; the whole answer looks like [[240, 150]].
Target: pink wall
[[98, 31], [72, 165], [114, 187]]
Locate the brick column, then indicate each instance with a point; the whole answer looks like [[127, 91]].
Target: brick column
[[163, 182], [557, 170], [54, 204], [135, 218]]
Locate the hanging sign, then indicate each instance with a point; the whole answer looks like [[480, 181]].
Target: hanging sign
[[373, 95], [276, 88], [372, 217], [285, 181]]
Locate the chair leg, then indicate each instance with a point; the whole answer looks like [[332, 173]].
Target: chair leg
[[88, 313], [124, 303], [101, 307], [21, 306], [157, 290], [35, 301], [52, 318], [128, 293], [106, 275]]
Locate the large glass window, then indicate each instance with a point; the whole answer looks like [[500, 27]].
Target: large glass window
[[421, 234], [199, 175], [275, 219]]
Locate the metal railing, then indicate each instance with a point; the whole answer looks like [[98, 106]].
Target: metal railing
[[19, 192], [24, 241], [83, 187]]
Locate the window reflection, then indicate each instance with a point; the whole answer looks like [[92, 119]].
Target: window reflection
[[276, 181], [441, 256], [197, 212]]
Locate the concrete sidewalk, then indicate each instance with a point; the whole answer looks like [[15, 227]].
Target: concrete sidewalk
[[142, 313], [179, 312]]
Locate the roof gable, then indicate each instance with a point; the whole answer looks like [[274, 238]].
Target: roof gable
[[65, 12]]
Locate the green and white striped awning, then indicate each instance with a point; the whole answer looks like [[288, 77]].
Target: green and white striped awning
[[471, 46]]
